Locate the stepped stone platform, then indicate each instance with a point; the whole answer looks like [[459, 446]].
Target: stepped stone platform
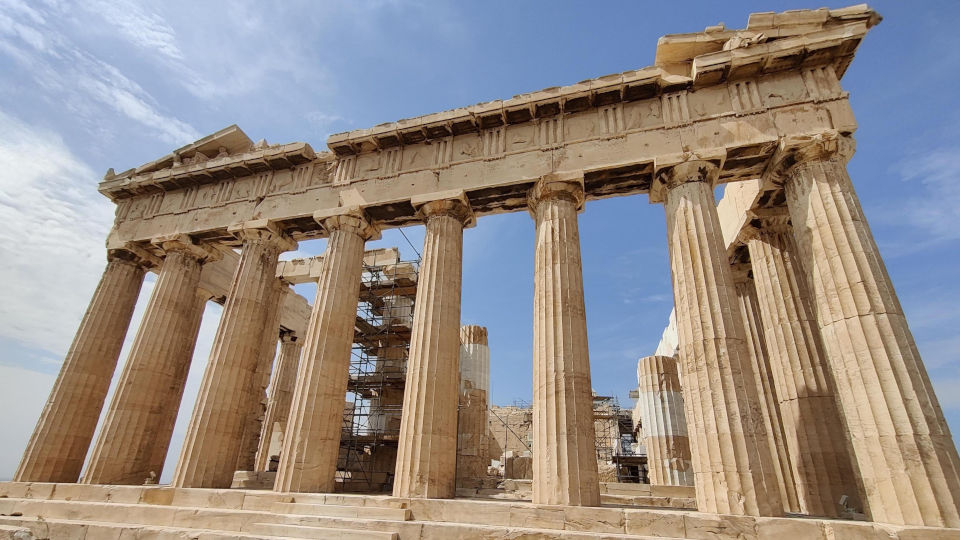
[[611, 493], [92, 512]]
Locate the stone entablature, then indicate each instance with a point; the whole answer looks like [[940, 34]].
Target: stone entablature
[[495, 151]]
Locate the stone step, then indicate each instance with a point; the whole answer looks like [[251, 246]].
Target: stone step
[[367, 512], [683, 503], [160, 516], [74, 519], [192, 497], [532, 524], [445, 531], [66, 529]]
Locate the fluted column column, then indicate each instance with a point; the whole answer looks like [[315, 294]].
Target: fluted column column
[[565, 459], [815, 434], [427, 450], [308, 460], [907, 459], [280, 398], [472, 455], [60, 441], [766, 388], [209, 454], [133, 442], [255, 402], [731, 458], [664, 422]]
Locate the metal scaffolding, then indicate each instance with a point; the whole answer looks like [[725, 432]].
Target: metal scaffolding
[[615, 442], [374, 401]]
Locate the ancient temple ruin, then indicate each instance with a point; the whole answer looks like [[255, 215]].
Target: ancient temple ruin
[[801, 387]]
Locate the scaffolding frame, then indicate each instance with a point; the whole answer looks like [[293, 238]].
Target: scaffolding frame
[[615, 441], [377, 371]]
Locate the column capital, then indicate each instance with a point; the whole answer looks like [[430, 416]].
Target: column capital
[[352, 218], [182, 243], [452, 203], [264, 231], [135, 254], [566, 186], [673, 170], [765, 221], [795, 150]]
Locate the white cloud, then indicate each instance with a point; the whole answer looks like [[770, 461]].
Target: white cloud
[[932, 202], [55, 223], [146, 30], [69, 73]]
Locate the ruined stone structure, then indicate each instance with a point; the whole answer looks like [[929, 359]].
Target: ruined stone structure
[[761, 110], [664, 425], [473, 456]]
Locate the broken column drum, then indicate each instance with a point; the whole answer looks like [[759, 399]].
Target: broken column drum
[[472, 452], [664, 424]]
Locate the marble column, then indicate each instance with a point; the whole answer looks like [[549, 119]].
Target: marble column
[[766, 388], [132, 445], [565, 459], [209, 455], [427, 450], [815, 435], [906, 457], [308, 460], [60, 441], [472, 455], [256, 401], [279, 399], [664, 423], [732, 461]]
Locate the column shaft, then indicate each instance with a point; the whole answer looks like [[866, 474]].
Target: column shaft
[[280, 398], [256, 401], [816, 436], [732, 460], [427, 450], [664, 422], [766, 391], [308, 461], [60, 441], [907, 460], [472, 422], [132, 445], [565, 460], [209, 454]]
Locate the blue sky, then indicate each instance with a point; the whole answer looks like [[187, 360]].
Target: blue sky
[[85, 86]]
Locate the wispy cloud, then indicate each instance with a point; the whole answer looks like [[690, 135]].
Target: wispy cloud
[[143, 29], [54, 226], [69, 72], [932, 203]]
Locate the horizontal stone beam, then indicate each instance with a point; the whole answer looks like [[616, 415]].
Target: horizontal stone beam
[[307, 270], [217, 276]]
